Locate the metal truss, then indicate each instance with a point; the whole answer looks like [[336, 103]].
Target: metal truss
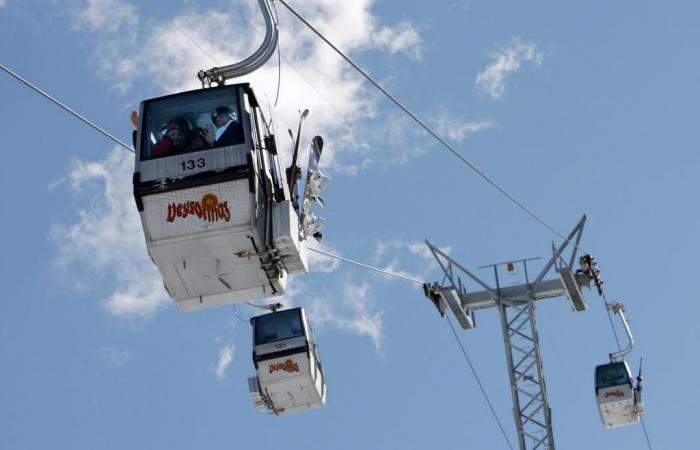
[[530, 405], [516, 307]]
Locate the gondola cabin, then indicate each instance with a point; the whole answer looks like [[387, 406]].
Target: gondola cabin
[[618, 401], [213, 201], [290, 377]]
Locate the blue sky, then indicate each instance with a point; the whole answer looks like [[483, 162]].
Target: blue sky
[[572, 107]]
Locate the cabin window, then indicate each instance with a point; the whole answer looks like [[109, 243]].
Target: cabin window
[[191, 121], [278, 326], [611, 375]]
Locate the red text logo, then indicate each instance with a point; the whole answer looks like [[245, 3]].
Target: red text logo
[[288, 366], [614, 394], [209, 209]]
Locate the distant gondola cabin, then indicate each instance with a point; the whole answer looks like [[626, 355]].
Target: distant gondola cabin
[[290, 376], [213, 200], [618, 402]]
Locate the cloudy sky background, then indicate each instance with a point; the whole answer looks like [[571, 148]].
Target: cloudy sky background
[[573, 108]]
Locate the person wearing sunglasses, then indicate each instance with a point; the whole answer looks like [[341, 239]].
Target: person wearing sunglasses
[[228, 128]]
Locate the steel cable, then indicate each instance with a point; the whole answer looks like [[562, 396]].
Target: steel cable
[[366, 266], [66, 108], [427, 128], [478, 381]]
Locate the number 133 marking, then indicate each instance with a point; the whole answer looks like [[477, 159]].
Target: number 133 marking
[[193, 163]]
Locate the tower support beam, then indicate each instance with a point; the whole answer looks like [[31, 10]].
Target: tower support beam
[[516, 308]]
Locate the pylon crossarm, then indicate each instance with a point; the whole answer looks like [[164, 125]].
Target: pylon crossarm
[[519, 294], [441, 258], [577, 231]]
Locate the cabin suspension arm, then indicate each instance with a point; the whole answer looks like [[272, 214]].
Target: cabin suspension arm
[[619, 309], [219, 75]]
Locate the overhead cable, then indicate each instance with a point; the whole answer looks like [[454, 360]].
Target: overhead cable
[[646, 435], [376, 269], [66, 108], [619, 348], [279, 58], [342, 115], [478, 381], [461, 346], [216, 61], [427, 128], [195, 43], [612, 325]]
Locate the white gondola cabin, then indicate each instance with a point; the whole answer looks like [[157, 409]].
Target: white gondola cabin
[[290, 377], [619, 402], [214, 204]]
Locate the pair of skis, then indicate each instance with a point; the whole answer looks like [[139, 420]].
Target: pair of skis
[[315, 182]]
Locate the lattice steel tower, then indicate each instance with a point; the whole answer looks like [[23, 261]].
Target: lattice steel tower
[[516, 307]]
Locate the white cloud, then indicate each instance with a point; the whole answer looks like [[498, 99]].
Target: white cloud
[[352, 26], [113, 357], [226, 354], [2, 3], [160, 53], [458, 130], [420, 249], [351, 311], [105, 15], [365, 321], [404, 37], [401, 131], [505, 61], [355, 313], [141, 293], [106, 239], [350, 307], [55, 183], [395, 251], [319, 262]]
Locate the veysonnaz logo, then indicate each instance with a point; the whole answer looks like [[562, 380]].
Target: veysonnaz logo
[[617, 393], [209, 209], [288, 366]]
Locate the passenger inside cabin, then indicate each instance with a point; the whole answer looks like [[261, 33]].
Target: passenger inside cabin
[[134, 123], [228, 127], [172, 140], [199, 139]]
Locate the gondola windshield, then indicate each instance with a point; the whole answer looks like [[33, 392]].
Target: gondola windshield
[[277, 326], [190, 122], [614, 374]]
